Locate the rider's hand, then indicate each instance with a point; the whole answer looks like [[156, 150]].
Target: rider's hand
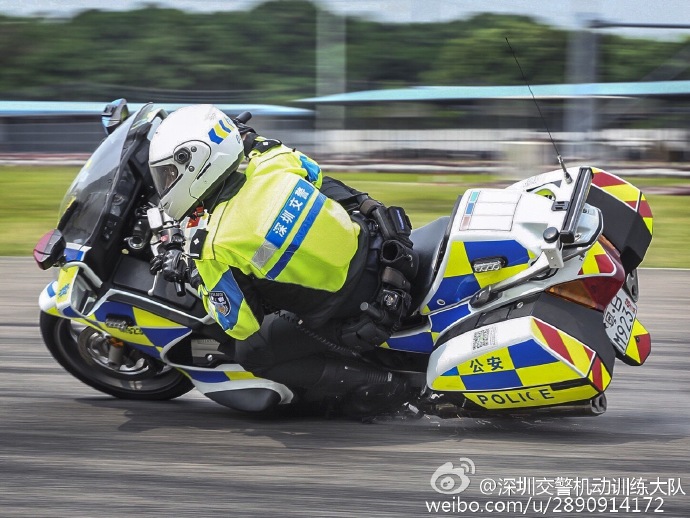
[[174, 266], [156, 263], [243, 128], [194, 278]]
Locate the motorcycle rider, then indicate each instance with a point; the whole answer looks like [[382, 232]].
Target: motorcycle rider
[[281, 236]]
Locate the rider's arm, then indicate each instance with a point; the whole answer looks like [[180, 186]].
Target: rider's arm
[[226, 302], [270, 156]]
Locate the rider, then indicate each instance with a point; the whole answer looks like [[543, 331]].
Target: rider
[[281, 236]]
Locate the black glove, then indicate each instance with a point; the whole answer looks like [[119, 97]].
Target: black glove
[[193, 278], [174, 266], [156, 263], [170, 239], [243, 128], [171, 263]]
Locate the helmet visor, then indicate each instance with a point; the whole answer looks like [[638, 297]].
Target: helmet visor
[[164, 177]]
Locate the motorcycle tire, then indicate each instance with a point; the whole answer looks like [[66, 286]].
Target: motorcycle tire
[[78, 350]]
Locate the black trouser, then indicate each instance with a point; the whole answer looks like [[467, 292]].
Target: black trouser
[[283, 353]]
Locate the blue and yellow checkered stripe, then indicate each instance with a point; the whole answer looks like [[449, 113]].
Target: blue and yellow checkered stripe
[[523, 364], [147, 329], [424, 341], [459, 279], [218, 376]]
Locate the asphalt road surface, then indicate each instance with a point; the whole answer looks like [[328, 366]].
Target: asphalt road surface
[[68, 451]]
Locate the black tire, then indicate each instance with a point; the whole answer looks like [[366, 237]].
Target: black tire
[[146, 378]]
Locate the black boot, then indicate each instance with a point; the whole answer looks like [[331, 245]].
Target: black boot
[[374, 399], [363, 390]]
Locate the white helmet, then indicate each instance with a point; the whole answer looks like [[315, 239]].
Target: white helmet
[[192, 151]]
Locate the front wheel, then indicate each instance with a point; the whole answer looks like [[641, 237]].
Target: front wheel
[[84, 352]]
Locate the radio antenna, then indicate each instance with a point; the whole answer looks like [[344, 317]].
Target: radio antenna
[[541, 115]]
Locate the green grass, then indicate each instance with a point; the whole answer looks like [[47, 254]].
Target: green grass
[[30, 198], [424, 197], [29, 202], [670, 246]]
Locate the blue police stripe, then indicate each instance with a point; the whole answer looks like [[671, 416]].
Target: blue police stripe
[[73, 254], [529, 353], [69, 312], [208, 376], [444, 319], [454, 289], [471, 203], [214, 136], [222, 125], [492, 380], [451, 372], [299, 237], [311, 167], [421, 342], [115, 309], [289, 213], [229, 287], [51, 288]]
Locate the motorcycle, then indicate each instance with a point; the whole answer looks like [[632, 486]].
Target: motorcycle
[[525, 299]]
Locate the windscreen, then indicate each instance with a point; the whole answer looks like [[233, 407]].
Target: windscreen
[[87, 197], [99, 198]]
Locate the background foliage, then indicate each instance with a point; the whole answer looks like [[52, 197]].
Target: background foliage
[[268, 54]]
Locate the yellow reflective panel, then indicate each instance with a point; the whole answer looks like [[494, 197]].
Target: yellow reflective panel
[[532, 397], [449, 383], [145, 318], [639, 345], [66, 278], [548, 373], [624, 192], [239, 375], [458, 263]]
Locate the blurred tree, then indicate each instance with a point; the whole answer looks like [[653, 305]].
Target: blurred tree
[[267, 54], [480, 55]]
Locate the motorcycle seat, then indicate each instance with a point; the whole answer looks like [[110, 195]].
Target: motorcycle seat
[[429, 241]]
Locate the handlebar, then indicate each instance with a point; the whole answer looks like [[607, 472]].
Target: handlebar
[[244, 117]]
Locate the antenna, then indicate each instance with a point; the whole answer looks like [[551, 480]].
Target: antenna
[[543, 119]]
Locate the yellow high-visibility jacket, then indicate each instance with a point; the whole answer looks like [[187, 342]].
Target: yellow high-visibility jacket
[[277, 227]]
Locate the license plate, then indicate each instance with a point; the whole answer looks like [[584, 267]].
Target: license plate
[[619, 318]]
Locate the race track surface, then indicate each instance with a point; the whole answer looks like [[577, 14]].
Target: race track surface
[[68, 451]]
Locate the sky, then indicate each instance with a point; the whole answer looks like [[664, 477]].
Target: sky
[[564, 13]]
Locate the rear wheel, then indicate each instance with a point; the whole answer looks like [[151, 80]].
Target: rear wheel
[[84, 352]]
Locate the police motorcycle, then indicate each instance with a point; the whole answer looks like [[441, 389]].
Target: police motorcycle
[[525, 297]]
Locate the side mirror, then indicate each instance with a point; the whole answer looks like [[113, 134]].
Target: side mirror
[[49, 249], [155, 218], [114, 114]]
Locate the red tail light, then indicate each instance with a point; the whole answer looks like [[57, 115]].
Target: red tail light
[[595, 292]]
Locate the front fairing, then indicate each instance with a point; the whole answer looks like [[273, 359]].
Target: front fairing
[[99, 199], [87, 198], [97, 212]]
